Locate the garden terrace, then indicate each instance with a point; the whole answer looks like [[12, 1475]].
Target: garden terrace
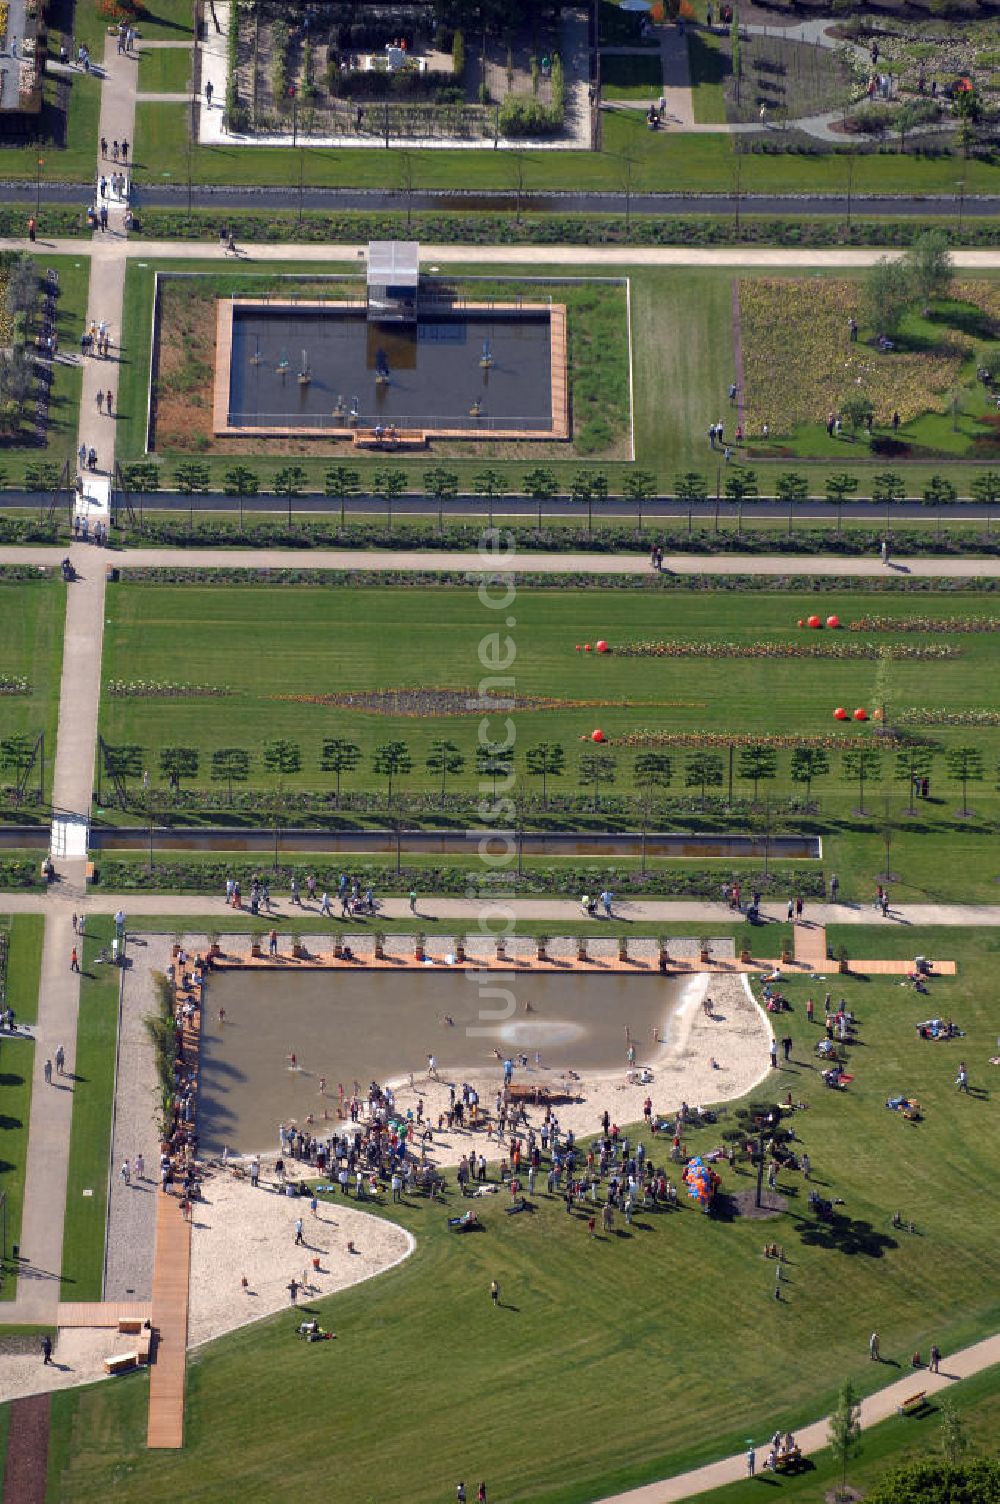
[[672, 725]]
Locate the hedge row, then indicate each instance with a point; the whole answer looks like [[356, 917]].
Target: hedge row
[[19, 874], [210, 877], [180, 532], [550, 229], [375, 579]]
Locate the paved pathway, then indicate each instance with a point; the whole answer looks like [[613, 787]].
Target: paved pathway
[[578, 257], [781, 565], [813, 1438], [39, 1286], [645, 910]]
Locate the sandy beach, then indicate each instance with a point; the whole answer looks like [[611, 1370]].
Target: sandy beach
[[706, 1057], [736, 1037]]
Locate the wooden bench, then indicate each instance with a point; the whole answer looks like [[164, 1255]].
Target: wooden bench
[[121, 1362], [913, 1402]]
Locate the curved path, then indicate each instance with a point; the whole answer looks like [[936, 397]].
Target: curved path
[[813, 1438]]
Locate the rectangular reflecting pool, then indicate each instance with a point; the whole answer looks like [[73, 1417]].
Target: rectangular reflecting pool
[[377, 1025], [324, 368]]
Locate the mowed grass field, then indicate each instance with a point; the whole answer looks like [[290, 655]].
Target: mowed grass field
[[24, 954], [276, 649], [645, 1352], [31, 646]]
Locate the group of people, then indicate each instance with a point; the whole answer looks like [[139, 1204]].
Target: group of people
[[606, 901]]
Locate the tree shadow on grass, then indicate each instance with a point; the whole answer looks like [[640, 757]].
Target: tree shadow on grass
[[845, 1235]]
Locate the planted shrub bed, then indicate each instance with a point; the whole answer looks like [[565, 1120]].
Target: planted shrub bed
[[611, 538], [422, 579], [610, 229], [16, 873], [210, 877]]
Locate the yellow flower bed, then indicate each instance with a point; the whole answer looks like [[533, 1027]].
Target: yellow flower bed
[[799, 363], [4, 17]]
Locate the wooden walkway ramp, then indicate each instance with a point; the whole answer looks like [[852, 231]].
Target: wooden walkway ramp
[[101, 1313], [171, 1273]]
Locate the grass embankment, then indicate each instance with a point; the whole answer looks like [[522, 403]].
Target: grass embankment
[[361, 638], [33, 615], [755, 1365], [665, 162], [90, 1144], [24, 956], [67, 380]]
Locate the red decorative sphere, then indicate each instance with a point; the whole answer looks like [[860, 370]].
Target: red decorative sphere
[[587, 647], [597, 736], [602, 646], [833, 621], [579, 647], [840, 714], [801, 621], [861, 714], [814, 621], [878, 714]]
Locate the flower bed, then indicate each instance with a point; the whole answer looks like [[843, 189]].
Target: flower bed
[[777, 650], [656, 738], [210, 877], [159, 689], [14, 684], [936, 715], [925, 624], [799, 363]]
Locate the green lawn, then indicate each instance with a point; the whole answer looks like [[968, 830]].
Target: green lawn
[[64, 403], [31, 646], [682, 330], [709, 70], [585, 1309], [630, 77], [685, 163], [16, 1064], [233, 639], [90, 1144], [165, 70]]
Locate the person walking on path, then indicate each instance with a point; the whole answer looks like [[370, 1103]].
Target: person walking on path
[[413, 900], [126, 1173], [46, 1350], [324, 906], [140, 1167], [108, 401], [873, 1352], [751, 1461], [74, 960], [60, 1060], [934, 1359], [298, 1231], [494, 1292], [47, 1072], [774, 1054], [293, 1290]]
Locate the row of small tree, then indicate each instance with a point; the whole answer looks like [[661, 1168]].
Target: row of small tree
[[585, 489], [595, 768]]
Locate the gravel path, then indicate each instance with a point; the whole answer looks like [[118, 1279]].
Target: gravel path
[[132, 1209]]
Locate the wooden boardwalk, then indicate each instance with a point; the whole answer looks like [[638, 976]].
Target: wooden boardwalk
[[171, 1276], [171, 1281], [101, 1313]]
